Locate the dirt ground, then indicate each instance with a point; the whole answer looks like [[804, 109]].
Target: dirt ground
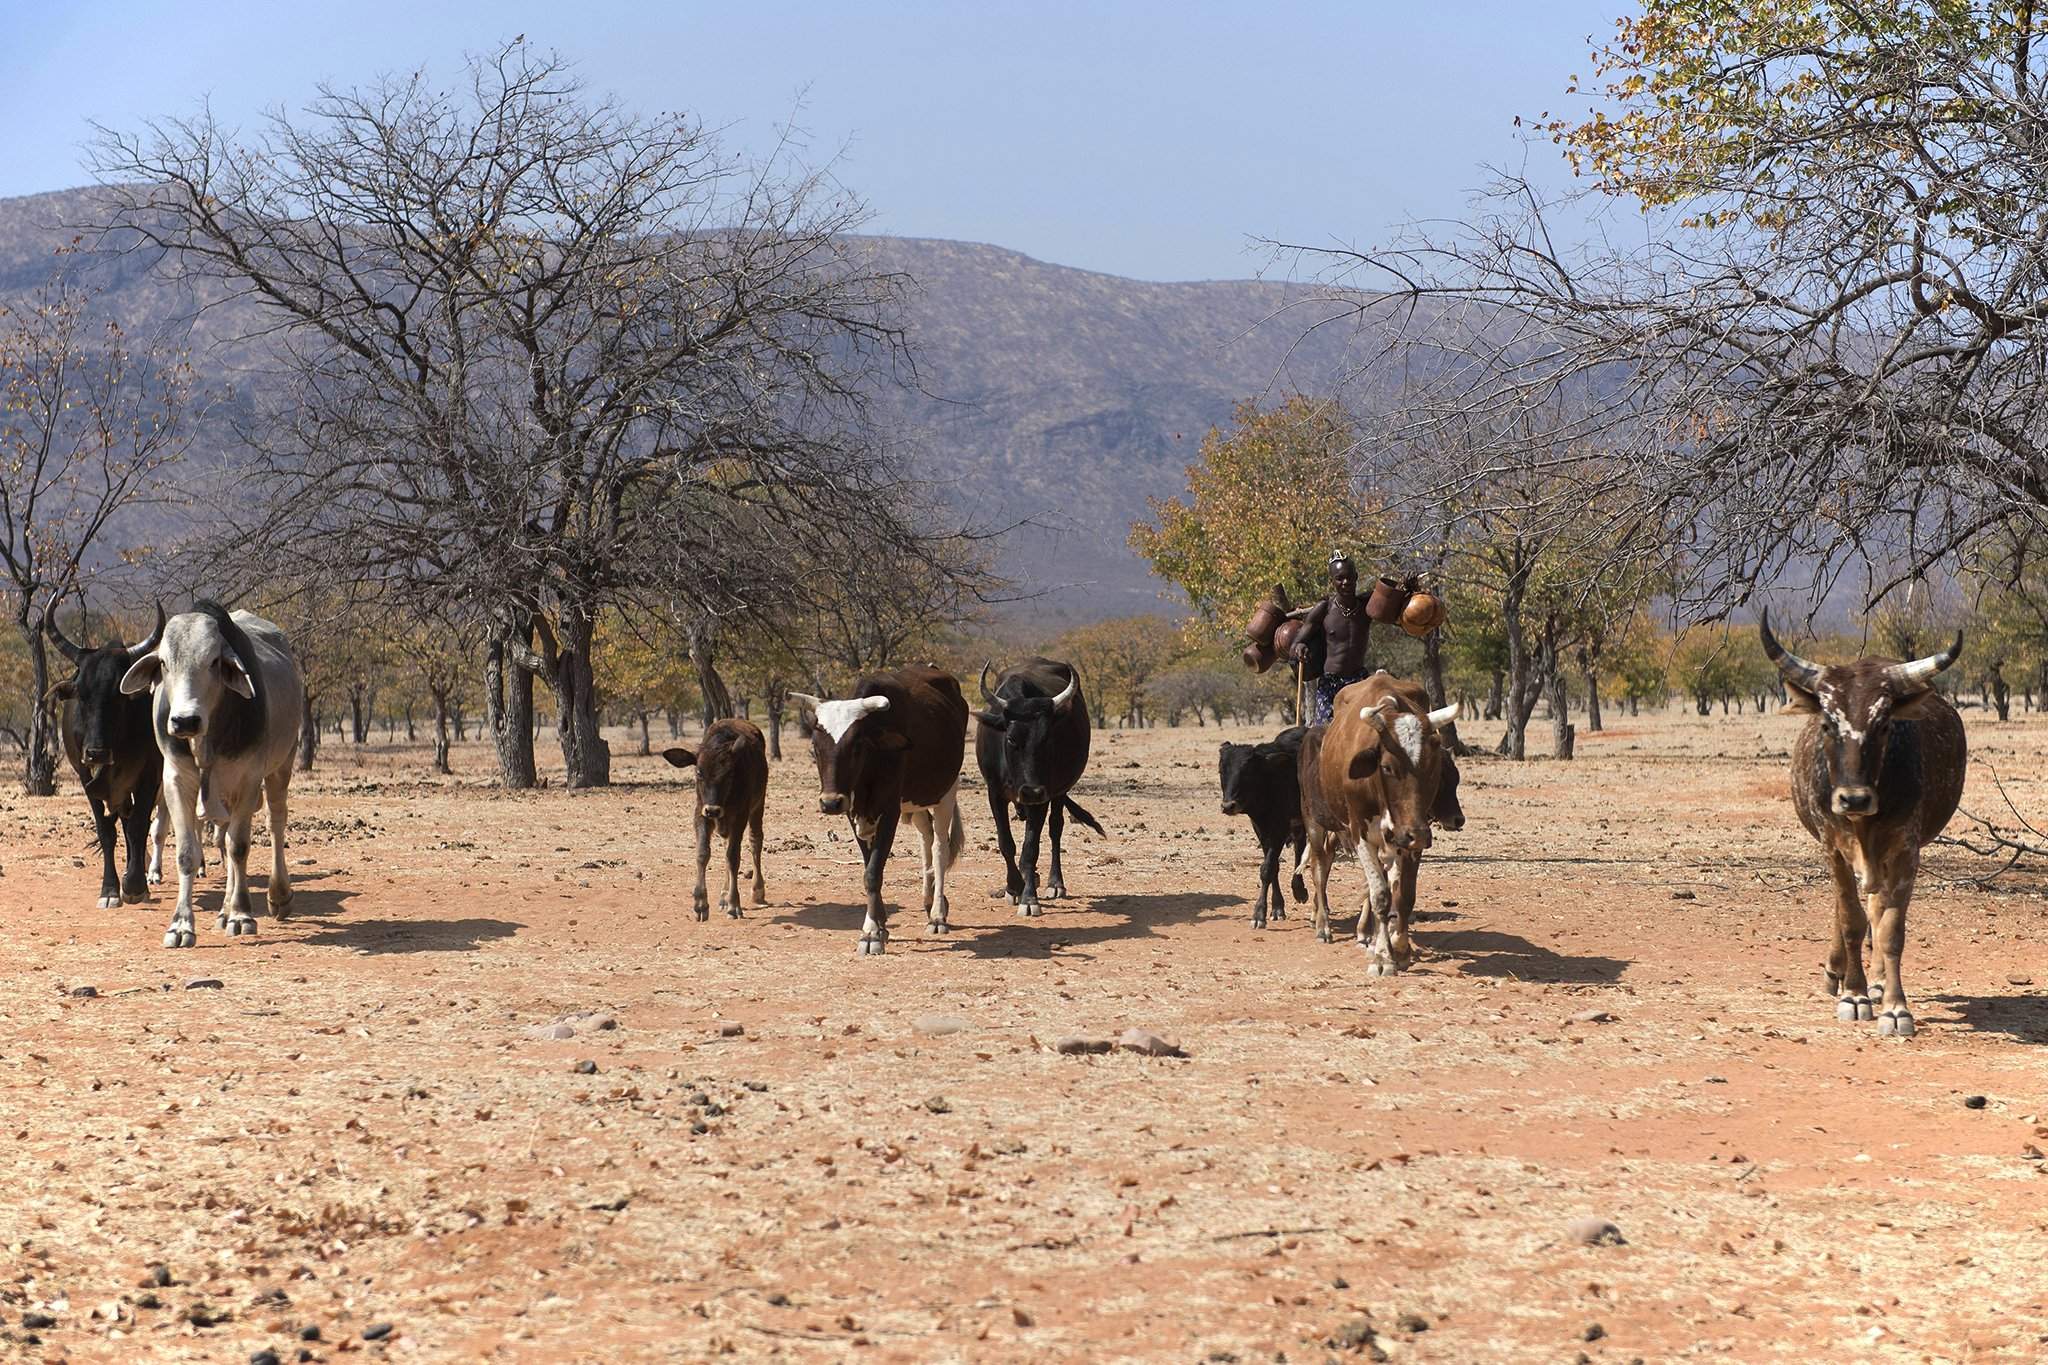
[[359, 1129]]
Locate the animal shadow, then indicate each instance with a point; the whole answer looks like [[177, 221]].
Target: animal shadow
[[1143, 916], [380, 936], [2022, 1016], [1490, 953]]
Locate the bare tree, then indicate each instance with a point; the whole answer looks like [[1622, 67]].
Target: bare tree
[[530, 336], [88, 424]]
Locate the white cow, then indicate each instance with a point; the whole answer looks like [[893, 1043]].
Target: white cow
[[228, 695]]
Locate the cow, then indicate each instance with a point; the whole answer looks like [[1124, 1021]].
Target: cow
[[732, 791], [1259, 781], [1031, 744], [227, 694], [1378, 769], [107, 740], [1322, 827], [1877, 771], [893, 749]]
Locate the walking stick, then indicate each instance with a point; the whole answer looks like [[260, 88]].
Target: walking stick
[[1300, 696]]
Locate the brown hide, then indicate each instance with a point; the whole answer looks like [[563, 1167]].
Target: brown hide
[[909, 754], [1367, 776]]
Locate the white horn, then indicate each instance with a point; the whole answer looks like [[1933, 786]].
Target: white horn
[[1920, 672], [1066, 696], [806, 699], [1444, 715], [874, 703], [1376, 710]]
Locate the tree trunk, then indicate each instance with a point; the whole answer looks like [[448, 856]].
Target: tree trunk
[[412, 733], [775, 700], [39, 769], [1433, 683], [441, 733], [1526, 674], [1491, 711], [1564, 734], [646, 740], [508, 708], [359, 724], [703, 646], [586, 758], [2001, 695], [309, 731], [1589, 670]]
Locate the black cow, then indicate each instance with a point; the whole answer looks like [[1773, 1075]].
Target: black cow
[[108, 739], [892, 749], [1260, 781], [732, 790], [1032, 747]]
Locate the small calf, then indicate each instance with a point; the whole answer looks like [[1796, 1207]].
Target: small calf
[[732, 791], [1259, 781]]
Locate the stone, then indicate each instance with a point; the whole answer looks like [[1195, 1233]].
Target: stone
[[1594, 1331], [1593, 1232], [377, 1331], [573, 1023], [1592, 1017], [1974, 1101], [731, 1029], [37, 1321], [939, 1025], [584, 1067], [938, 1104], [1074, 1044], [266, 1356], [1148, 1044], [84, 992], [1412, 1322], [203, 983], [310, 1332]]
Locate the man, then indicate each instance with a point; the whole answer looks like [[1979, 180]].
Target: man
[[1341, 622]]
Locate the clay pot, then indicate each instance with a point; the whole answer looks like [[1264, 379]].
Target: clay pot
[[1264, 622], [1385, 604], [1258, 657], [1287, 639], [1422, 615]]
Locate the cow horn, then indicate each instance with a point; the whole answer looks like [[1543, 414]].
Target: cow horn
[[986, 695], [1066, 696], [1799, 672], [1445, 715], [156, 636], [874, 703], [1919, 674], [64, 646], [806, 699], [1377, 712]]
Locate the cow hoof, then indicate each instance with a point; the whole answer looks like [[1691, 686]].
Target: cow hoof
[[241, 926], [179, 938], [1279, 910], [873, 947], [110, 902], [1029, 909], [734, 912], [220, 921], [279, 900], [1853, 1008], [1379, 964], [1325, 936], [938, 926], [760, 896], [701, 910], [1056, 891], [135, 897], [1895, 1024]]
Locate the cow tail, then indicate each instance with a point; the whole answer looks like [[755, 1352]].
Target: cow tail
[[957, 839], [1081, 816]]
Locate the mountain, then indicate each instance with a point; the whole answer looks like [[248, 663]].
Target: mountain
[[1057, 398]]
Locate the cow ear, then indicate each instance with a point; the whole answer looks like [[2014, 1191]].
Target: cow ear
[[1799, 702], [236, 677], [66, 690], [142, 674], [994, 720], [892, 741], [1912, 705], [1365, 762], [680, 758]]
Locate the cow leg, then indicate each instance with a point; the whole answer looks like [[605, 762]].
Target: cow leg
[[921, 823], [235, 914], [731, 903], [1269, 877], [754, 841], [1299, 888], [999, 811], [874, 931], [1845, 978], [700, 902], [1056, 818], [1401, 879], [135, 834], [275, 788], [1318, 859], [158, 827], [1888, 903], [181, 792], [945, 819], [104, 826], [1034, 830], [1373, 917]]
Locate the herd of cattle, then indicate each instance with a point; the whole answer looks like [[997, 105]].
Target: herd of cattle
[[201, 719]]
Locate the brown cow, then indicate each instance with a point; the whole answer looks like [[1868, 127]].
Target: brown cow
[[893, 749], [1876, 774], [1377, 769], [732, 790]]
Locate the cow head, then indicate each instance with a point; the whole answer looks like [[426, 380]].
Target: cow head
[[1244, 771], [1408, 760], [850, 754], [192, 667], [714, 764], [1026, 724], [1857, 703], [94, 686]]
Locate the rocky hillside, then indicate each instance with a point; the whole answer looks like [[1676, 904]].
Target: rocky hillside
[[1054, 397]]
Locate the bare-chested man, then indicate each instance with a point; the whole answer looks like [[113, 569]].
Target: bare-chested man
[[1345, 630]]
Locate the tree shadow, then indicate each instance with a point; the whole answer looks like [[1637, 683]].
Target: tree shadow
[[1050, 934], [380, 936], [1490, 953], [2022, 1016]]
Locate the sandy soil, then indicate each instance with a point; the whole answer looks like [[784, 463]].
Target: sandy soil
[[359, 1128]]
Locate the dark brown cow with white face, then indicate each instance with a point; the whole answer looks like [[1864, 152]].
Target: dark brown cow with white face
[[732, 790], [1876, 774], [1379, 768], [893, 749]]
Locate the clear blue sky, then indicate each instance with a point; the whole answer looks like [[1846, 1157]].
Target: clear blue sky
[[1143, 139]]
